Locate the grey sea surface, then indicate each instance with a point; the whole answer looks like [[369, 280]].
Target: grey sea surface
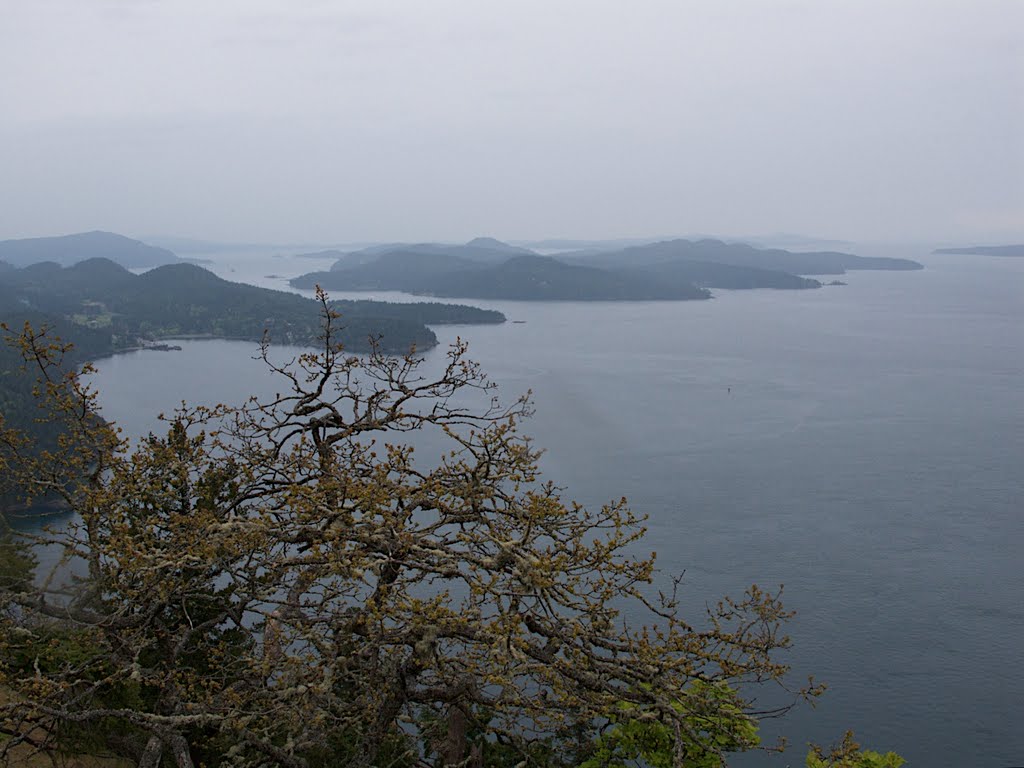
[[862, 445]]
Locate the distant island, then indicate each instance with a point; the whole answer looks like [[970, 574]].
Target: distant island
[[985, 250], [672, 270], [742, 255], [331, 254], [529, 277], [70, 249]]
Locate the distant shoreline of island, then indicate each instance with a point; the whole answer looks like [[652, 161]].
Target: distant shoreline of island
[[984, 250]]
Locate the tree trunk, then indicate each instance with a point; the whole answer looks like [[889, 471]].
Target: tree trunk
[[153, 752], [453, 751], [181, 754]]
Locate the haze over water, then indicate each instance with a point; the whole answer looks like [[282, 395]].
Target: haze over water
[[861, 444]]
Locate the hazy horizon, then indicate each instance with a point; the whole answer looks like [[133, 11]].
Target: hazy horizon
[[341, 122], [184, 243]]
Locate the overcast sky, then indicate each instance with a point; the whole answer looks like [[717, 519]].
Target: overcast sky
[[331, 121]]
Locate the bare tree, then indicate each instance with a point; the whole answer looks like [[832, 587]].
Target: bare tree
[[287, 581]]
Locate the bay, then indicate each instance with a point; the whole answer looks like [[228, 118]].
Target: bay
[[861, 444]]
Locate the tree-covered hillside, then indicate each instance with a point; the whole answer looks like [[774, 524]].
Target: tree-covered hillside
[[101, 308], [185, 299]]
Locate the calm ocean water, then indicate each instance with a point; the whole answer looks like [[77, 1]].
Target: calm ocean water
[[862, 445]]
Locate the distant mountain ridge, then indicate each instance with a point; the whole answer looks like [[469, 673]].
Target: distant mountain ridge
[[70, 249]]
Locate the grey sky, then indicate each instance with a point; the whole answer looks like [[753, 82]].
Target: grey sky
[[280, 120]]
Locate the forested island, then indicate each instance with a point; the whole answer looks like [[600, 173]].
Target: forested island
[[673, 270]]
